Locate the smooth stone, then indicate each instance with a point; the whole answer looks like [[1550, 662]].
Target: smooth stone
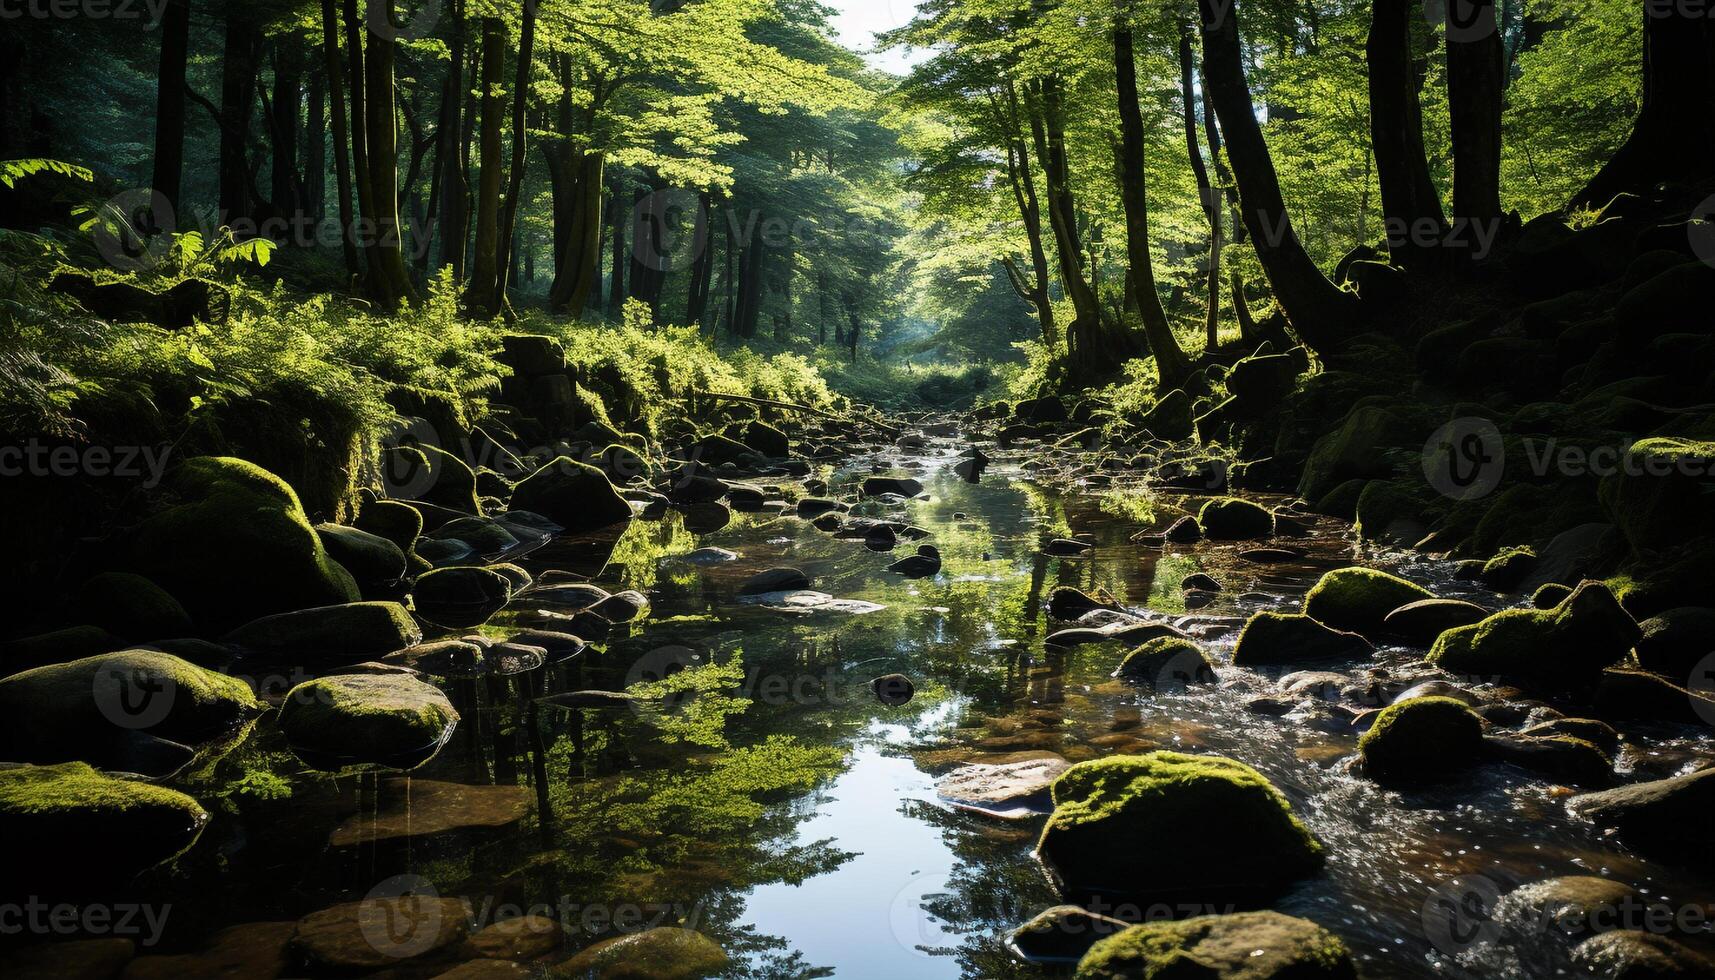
[[524, 937], [426, 808], [893, 690], [622, 607], [775, 580], [1240, 946], [1062, 934], [1017, 791], [393, 721], [1421, 623], [330, 635], [379, 933], [662, 953], [710, 556], [1666, 819]]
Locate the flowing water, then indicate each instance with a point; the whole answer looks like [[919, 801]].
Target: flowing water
[[763, 795]]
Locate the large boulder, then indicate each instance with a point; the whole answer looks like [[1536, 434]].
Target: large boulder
[[1354, 451], [1359, 600], [1631, 955], [766, 440], [1233, 519], [1660, 499], [1676, 641], [661, 953], [372, 559], [1667, 819], [1171, 827], [391, 720], [399, 523], [1271, 638], [1260, 383], [103, 709], [329, 635], [130, 607], [574, 495], [775, 580], [1566, 645], [432, 475], [380, 932], [52, 815], [1422, 623], [460, 598], [231, 543], [1421, 740], [1241, 946], [1168, 663], [1171, 418]]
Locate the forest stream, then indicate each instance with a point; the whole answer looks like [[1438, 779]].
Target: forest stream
[[764, 795]]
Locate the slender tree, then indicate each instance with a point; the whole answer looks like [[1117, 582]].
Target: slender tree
[[170, 101], [1322, 314], [1476, 79], [1409, 198], [1206, 192], [482, 295], [392, 282], [520, 143], [341, 139], [452, 190]]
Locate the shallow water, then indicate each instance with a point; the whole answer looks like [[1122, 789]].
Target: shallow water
[[777, 806]]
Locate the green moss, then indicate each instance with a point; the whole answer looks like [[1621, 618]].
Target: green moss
[[1283, 638], [1233, 519], [1353, 451], [1507, 571], [1550, 595], [391, 720], [1168, 661], [371, 558], [1243, 946], [59, 810], [432, 475], [390, 519], [1421, 739], [331, 634], [233, 545], [73, 710], [1342, 501], [1565, 645], [1661, 497], [574, 495], [1359, 599], [1233, 833]]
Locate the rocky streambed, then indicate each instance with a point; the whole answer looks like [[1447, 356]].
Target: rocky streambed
[[912, 703]]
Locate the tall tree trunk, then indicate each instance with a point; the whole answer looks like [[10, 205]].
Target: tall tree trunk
[[1673, 138], [1083, 336], [341, 139], [621, 215], [1223, 177], [170, 102], [481, 295], [364, 229], [453, 190], [752, 268], [316, 143], [237, 95], [702, 264], [1321, 313], [393, 282], [1476, 77], [1409, 197], [1023, 178], [1205, 191], [286, 190], [520, 145], [579, 217], [1171, 365]]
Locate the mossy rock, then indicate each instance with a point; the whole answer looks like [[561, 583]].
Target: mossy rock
[[1550, 595], [1359, 600], [1168, 663], [56, 647], [87, 710], [329, 635], [1171, 418], [1422, 623], [1395, 512], [1241, 946], [1676, 641], [54, 814], [460, 598], [1063, 934], [1421, 740], [389, 720], [1224, 832], [574, 495], [1667, 819], [232, 544], [1271, 638], [390, 519], [1563, 758], [766, 440], [1353, 451], [432, 475], [1507, 571], [1342, 501], [1563, 646], [662, 953], [1664, 498], [372, 559], [131, 607], [1233, 519], [622, 464], [486, 536]]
